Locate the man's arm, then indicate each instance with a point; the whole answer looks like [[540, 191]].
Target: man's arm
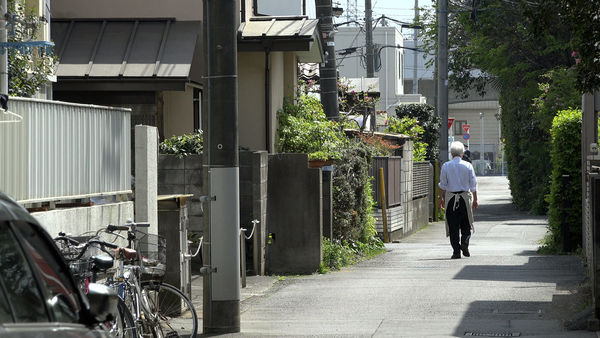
[[441, 197], [475, 203]]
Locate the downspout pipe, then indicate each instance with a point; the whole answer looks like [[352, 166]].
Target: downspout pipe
[[267, 46]]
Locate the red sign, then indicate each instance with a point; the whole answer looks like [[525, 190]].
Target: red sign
[[466, 127], [450, 121]]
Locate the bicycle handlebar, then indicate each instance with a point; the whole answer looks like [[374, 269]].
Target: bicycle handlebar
[[112, 227], [66, 239], [96, 241]]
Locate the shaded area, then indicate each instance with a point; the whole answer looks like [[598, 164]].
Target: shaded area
[[562, 270]]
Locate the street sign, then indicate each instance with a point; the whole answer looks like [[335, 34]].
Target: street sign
[[466, 127], [466, 136], [450, 121]]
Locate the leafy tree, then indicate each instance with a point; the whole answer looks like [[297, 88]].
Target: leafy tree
[[410, 126], [304, 128], [511, 45], [429, 121], [27, 72], [583, 17]]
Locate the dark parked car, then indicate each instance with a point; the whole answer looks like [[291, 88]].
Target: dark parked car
[[38, 296]]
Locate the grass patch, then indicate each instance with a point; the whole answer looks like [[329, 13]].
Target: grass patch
[[338, 255]]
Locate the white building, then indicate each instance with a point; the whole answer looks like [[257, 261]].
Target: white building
[[389, 60]]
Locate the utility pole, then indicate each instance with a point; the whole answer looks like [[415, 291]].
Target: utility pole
[[369, 39], [415, 87], [328, 69], [221, 246], [442, 77]]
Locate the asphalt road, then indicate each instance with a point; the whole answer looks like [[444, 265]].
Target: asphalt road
[[504, 289]]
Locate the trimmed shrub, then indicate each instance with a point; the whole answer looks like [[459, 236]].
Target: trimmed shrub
[[304, 128], [565, 199], [184, 145]]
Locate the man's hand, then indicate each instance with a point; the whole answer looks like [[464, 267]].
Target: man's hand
[[475, 205], [441, 200]]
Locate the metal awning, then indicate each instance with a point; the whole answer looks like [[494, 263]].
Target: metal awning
[[295, 33], [126, 49]]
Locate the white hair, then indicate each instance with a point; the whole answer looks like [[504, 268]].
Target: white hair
[[457, 148]]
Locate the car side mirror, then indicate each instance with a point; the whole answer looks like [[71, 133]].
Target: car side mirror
[[103, 302]]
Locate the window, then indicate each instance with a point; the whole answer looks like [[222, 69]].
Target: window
[[458, 127], [61, 297], [18, 281], [400, 65]]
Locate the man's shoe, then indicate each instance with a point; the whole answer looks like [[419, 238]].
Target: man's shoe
[[465, 250], [455, 256]]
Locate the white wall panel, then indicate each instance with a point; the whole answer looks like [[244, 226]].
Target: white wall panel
[[62, 150]]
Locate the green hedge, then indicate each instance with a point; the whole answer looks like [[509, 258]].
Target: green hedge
[[565, 156], [184, 145]]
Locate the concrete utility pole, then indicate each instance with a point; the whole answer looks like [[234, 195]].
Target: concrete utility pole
[[221, 246], [442, 77], [328, 69], [415, 86], [369, 39]]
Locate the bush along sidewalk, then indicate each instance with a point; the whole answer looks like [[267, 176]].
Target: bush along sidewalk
[[565, 190], [355, 237]]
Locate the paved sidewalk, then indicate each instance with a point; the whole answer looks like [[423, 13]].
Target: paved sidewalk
[[414, 290]]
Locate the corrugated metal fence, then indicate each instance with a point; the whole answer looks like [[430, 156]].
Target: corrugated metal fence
[[64, 151]]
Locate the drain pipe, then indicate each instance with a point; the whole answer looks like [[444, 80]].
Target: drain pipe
[[267, 46]]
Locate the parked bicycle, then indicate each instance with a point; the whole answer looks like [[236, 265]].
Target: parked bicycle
[[85, 265], [159, 309]]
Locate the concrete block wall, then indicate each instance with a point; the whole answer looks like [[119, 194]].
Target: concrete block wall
[[407, 184], [183, 176], [77, 221], [253, 204], [294, 215]]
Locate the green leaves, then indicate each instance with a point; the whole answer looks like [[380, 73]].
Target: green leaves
[[304, 128], [565, 193], [426, 144], [184, 145], [27, 72]]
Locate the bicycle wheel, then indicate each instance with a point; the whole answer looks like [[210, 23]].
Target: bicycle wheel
[[175, 313], [123, 325]]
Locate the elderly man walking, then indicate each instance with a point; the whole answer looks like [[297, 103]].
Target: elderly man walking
[[458, 195]]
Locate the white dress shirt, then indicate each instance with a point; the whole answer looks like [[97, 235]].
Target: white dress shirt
[[458, 175]]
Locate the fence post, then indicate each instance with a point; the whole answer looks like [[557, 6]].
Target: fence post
[[386, 237], [436, 191], [566, 244]]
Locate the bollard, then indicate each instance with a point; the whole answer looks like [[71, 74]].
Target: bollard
[[386, 237]]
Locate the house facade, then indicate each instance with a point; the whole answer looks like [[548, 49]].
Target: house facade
[[148, 56]]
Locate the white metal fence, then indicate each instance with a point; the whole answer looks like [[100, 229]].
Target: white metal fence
[[63, 151]]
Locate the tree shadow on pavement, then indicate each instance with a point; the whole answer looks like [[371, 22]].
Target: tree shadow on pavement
[[565, 271]]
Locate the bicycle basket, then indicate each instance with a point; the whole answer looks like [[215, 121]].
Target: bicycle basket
[[153, 249]]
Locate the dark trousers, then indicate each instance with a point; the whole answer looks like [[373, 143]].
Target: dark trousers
[[458, 220]]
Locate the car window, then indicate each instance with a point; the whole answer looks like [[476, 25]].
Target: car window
[[62, 297], [18, 281]]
